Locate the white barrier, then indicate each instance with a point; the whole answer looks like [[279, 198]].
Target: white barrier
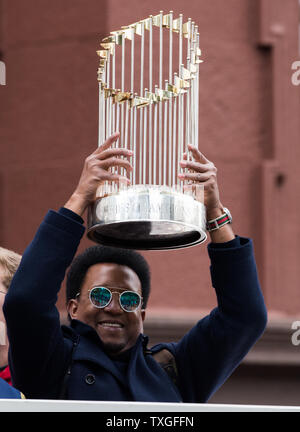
[[31, 405]]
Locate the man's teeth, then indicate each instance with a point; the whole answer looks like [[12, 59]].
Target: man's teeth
[[107, 324]]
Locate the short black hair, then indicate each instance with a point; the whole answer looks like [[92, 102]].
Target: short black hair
[[106, 254]]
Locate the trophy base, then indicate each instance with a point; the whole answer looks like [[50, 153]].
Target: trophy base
[[147, 218]]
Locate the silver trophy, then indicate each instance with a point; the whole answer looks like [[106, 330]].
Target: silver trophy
[[148, 94]]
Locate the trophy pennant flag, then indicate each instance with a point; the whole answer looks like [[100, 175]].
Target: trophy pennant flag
[[148, 80]]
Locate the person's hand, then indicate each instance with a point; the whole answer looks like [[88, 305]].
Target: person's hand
[[96, 170], [203, 171]]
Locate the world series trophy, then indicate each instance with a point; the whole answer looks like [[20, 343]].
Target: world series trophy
[[148, 94]]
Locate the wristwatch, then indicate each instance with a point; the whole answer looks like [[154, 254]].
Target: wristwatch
[[220, 221]]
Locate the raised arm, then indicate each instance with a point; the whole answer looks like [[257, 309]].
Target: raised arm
[[38, 351], [209, 353]]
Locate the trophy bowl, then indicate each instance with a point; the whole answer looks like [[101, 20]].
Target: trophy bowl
[[147, 217]]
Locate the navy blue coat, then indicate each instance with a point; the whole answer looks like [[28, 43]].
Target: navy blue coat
[[41, 350]]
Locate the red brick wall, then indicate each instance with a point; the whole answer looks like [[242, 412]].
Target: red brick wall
[[48, 125]]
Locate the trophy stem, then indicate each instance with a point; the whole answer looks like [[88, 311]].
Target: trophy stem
[[150, 106], [165, 142], [160, 49], [123, 90], [144, 144], [100, 113], [141, 149], [108, 111], [197, 95], [134, 145], [187, 121], [174, 169], [180, 43], [160, 125], [171, 48], [155, 144], [170, 152]]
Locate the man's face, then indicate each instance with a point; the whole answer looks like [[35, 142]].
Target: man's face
[[3, 336], [117, 329]]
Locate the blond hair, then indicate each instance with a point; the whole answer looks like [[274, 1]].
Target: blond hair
[[9, 261]]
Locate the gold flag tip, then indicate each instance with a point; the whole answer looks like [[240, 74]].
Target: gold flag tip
[[186, 74]]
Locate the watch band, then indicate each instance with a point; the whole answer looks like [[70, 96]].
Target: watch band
[[220, 221]]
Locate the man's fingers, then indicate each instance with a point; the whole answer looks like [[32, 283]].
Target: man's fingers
[[113, 138], [198, 156], [114, 152], [196, 166], [195, 177], [114, 178], [114, 161]]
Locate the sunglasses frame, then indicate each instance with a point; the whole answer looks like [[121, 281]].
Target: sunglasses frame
[[111, 296]]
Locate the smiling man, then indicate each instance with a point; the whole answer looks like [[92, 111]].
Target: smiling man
[[109, 297], [117, 330], [103, 353]]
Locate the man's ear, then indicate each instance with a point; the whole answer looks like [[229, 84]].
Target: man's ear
[[72, 308]]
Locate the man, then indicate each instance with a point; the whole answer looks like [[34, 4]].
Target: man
[[104, 355], [9, 262]]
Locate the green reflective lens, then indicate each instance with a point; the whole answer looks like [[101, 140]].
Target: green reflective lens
[[129, 301], [100, 296]]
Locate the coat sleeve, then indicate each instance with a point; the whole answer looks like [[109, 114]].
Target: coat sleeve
[[213, 348], [38, 352]]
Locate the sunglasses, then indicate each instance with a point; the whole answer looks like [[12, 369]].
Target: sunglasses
[[100, 297]]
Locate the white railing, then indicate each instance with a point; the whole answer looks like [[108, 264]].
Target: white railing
[[30, 405]]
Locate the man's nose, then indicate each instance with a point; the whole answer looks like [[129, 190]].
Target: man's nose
[[114, 305]]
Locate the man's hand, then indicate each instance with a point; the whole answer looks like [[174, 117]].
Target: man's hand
[[204, 172], [96, 170]]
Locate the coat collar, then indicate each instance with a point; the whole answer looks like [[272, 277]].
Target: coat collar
[[145, 378], [91, 348]]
